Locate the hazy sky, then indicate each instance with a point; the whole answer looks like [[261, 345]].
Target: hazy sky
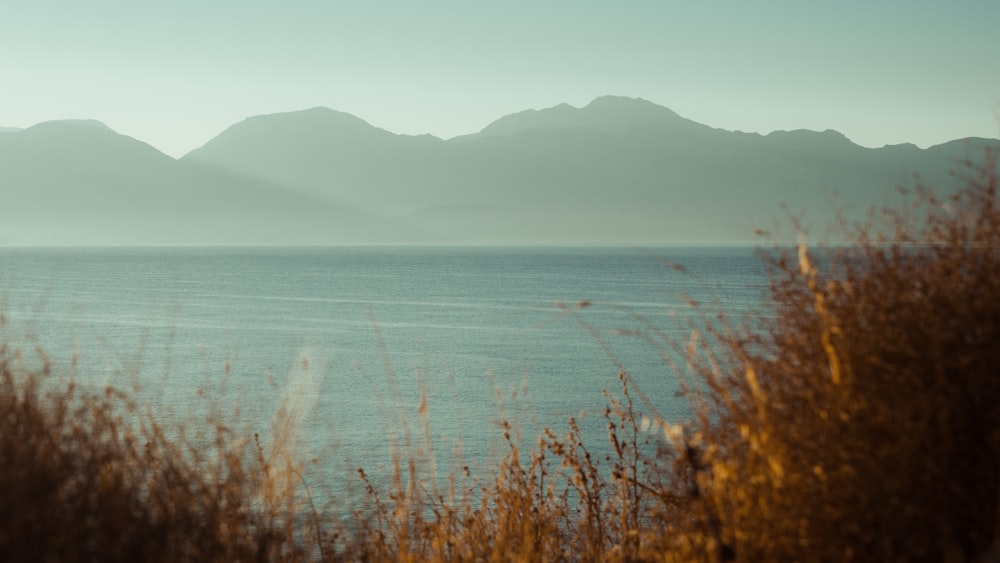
[[176, 73]]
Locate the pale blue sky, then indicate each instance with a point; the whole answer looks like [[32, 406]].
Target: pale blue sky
[[175, 74]]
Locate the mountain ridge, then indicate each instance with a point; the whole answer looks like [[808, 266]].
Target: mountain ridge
[[616, 171], [610, 114], [73, 183]]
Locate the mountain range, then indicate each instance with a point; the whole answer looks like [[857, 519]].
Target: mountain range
[[619, 170]]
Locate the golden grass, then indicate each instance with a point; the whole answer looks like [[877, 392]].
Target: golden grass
[[861, 422], [89, 477]]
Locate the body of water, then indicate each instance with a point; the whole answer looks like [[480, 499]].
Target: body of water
[[349, 339]]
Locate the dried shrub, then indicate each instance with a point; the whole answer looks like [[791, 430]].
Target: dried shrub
[[86, 476], [862, 422]]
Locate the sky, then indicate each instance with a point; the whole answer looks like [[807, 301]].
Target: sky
[[175, 74]]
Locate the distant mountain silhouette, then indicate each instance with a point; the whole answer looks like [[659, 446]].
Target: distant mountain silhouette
[[79, 182], [324, 153], [608, 114], [9, 129], [619, 170]]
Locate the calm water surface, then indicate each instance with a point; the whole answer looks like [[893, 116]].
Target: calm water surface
[[347, 339]]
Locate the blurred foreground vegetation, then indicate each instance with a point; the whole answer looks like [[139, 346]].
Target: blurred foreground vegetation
[[860, 422]]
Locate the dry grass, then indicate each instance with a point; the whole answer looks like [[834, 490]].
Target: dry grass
[[554, 503], [86, 477], [860, 423]]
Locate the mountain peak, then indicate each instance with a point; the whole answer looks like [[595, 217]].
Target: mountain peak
[[83, 132], [611, 102], [318, 127], [609, 114], [89, 123], [799, 138], [318, 114]]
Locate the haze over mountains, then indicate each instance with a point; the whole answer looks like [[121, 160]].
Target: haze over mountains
[[620, 170]]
